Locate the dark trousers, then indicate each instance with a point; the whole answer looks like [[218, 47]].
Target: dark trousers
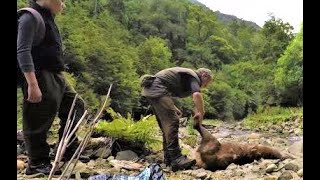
[[168, 121], [57, 97]]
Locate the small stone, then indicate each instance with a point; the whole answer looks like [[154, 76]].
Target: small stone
[[201, 175], [286, 175], [255, 169], [254, 136], [300, 172], [91, 163], [280, 141], [110, 158], [271, 177], [271, 168], [232, 166]]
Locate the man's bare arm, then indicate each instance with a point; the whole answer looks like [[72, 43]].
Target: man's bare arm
[[199, 107]]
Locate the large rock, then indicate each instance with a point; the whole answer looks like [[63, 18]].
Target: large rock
[[291, 166], [102, 153], [127, 155]]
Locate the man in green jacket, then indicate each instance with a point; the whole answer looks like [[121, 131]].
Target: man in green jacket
[[159, 90]]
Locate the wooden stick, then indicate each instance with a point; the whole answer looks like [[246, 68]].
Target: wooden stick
[[87, 137], [62, 139], [63, 145]]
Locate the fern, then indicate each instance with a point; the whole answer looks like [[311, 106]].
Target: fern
[[144, 130]]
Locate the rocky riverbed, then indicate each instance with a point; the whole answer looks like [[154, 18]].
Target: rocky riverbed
[[129, 162]]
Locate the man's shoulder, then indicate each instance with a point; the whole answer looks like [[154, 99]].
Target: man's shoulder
[[27, 17]]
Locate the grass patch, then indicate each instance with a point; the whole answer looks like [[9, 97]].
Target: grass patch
[[273, 115], [213, 122], [19, 108], [185, 151], [191, 140]]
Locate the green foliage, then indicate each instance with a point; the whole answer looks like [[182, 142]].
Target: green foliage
[[224, 101], [274, 115], [212, 122], [154, 55], [222, 49], [278, 34], [253, 78], [104, 58], [111, 41], [191, 131], [289, 72], [21, 3], [19, 108], [127, 129]]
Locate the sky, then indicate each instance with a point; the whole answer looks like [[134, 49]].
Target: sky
[[257, 11]]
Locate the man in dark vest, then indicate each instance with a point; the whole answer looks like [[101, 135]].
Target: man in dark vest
[[159, 90], [44, 88]]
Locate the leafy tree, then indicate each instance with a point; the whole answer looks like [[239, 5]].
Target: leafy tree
[[154, 55], [278, 34], [289, 72]]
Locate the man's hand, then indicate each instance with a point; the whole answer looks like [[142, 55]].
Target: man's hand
[[197, 119], [199, 108], [34, 94]]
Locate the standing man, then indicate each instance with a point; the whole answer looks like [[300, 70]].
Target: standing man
[[159, 90], [44, 87]]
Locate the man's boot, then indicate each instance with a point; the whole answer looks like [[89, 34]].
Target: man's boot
[[43, 167], [166, 155], [69, 153], [181, 163], [166, 159]]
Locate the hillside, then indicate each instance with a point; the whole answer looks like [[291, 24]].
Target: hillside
[[226, 18]]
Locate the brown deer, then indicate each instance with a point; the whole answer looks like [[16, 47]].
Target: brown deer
[[213, 155]]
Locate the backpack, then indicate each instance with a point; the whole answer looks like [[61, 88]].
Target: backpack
[[152, 172], [39, 35]]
